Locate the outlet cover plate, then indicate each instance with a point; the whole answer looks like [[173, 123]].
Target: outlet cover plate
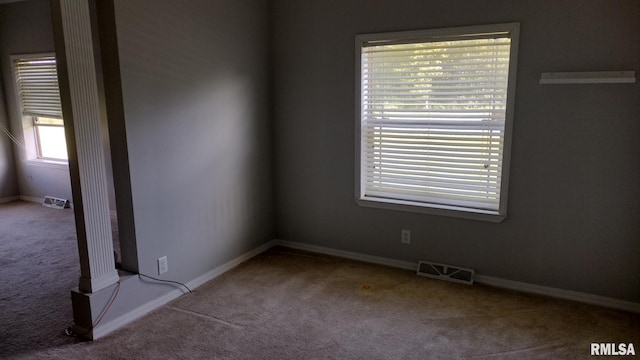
[[405, 237], [163, 265]]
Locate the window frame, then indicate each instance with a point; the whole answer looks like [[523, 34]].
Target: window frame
[[33, 147], [456, 33], [36, 130]]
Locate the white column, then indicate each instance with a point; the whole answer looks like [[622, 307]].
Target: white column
[[96, 258]]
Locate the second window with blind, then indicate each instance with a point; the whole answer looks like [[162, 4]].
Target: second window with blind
[[434, 119], [39, 98]]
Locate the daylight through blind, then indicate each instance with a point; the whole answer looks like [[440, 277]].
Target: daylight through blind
[[433, 121]]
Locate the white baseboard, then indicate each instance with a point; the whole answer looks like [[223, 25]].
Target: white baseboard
[[406, 265], [9, 199], [31, 199], [479, 278], [560, 293], [229, 265], [104, 329]]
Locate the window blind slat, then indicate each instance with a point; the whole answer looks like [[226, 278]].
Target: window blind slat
[[437, 126], [447, 200], [418, 177], [454, 63], [486, 197], [445, 45], [461, 173], [443, 145], [404, 182], [443, 196], [470, 166], [38, 90]]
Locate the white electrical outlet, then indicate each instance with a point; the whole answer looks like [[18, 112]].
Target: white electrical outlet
[[405, 236], [163, 265]]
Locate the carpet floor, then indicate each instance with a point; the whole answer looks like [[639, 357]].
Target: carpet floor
[[288, 304], [38, 268]]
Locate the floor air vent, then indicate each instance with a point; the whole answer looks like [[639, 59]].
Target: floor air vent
[[446, 272], [50, 201]]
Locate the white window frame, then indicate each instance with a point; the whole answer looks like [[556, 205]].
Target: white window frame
[[459, 33], [38, 127], [29, 119]]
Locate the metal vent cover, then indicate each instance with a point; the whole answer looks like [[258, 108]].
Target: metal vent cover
[[55, 203], [445, 272]]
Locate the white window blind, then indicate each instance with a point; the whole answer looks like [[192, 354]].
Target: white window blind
[[433, 115], [37, 81]]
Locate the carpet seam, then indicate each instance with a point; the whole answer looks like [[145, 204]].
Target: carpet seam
[[206, 317]]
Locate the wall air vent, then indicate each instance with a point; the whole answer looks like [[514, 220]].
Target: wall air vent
[[55, 203], [446, 272]]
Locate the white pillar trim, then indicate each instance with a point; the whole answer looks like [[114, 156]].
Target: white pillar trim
[[81, 69]]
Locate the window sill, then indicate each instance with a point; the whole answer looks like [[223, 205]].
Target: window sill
[[433, 209], [49, 163]]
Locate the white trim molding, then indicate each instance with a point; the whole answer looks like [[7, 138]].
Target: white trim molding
[[560, 293], [9, 199], [77, 62], [406, 265], [479, 278], [208, 276], [106, 328], [31, 199]]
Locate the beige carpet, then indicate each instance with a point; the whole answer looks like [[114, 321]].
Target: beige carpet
[[286, 304], [38, 268]]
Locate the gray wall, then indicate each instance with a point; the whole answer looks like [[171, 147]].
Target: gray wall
[[25, 28], [195, 97], [574, 201]]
